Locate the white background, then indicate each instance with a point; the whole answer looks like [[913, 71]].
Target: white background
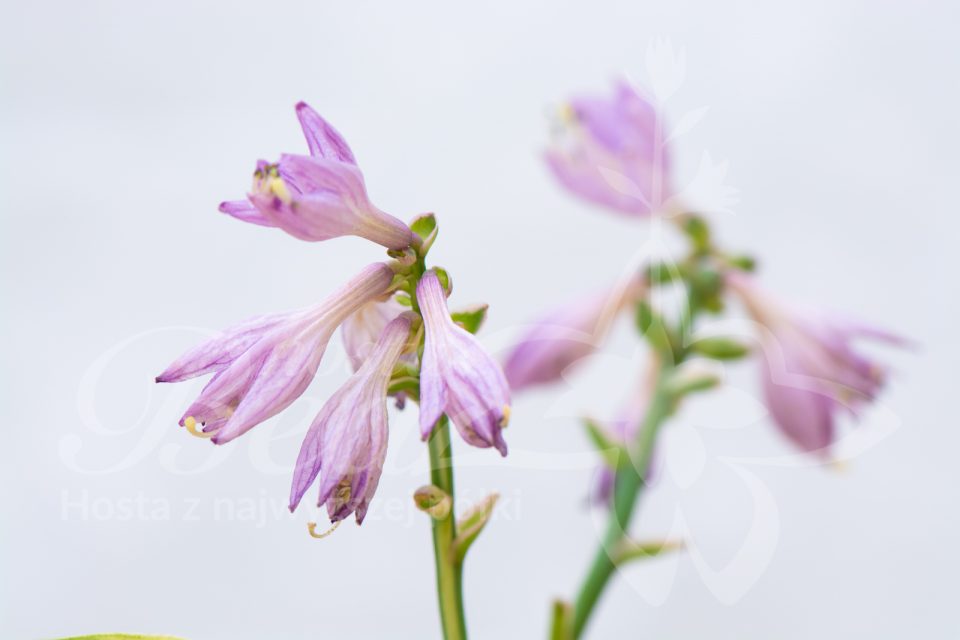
[[124, 124]]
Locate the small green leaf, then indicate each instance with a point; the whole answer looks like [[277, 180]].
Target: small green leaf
[[644, 317], [651, 326], [471, 524], [444, 278], [471, 318], [714, 304], [629, 550], [404, 299], [561, 625], [605, 443], [698, 231], [408, 385], [690, 380], [721, 348], [663, 273], [425, 226], [433, 500], [743, 262]]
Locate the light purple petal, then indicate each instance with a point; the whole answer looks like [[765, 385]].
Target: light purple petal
[[270, 366], [326, 199], [281, 377], [311, 174], [313, 218], [458, 376], [322, 139], [810, 367], [803, 414], [613, 153], [565, 336], [433, 390], [624, 124], [347, 440], [219, 351], [585, 176], [244, 210], [361, 331]]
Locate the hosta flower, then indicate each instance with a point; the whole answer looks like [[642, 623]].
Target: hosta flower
[[362, 329], [565, 336], [611, 152], [320, 196], [457, 376], [810, 369], [264, 364], [347, 442]]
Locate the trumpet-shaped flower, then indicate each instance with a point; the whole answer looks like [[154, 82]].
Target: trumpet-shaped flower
[[320, 196], [566, 335], [457, 376], [262, 365], [810, 369], [611, 152], [347, 442]]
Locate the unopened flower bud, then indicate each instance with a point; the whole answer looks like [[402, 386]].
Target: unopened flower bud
[[433, 501]]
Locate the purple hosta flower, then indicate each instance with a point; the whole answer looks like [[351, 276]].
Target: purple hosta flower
[[810, 369], [361, 331], [264, 364], [348, 439], [320, 196], [611, 152], [566, 336], [457, 376]]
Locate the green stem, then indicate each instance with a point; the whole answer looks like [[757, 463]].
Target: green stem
[[449, 571], [627, 487]]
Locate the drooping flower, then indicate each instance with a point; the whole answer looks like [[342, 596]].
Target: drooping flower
[[347, 442], [362, 329], [262, 365], [320, 196], [566, 336], [611, 152], [810, 369], [457, 376]]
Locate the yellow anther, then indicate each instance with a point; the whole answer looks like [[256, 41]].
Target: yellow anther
[[312, 528], [567, 113], [278, 187], [268, 181], [343, 492], [505, 420], [191, 425]]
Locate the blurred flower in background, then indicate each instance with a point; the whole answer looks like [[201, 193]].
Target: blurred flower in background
[[610, 151]]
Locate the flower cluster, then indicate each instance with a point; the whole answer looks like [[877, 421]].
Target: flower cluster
[[612, 153], [398, 333]]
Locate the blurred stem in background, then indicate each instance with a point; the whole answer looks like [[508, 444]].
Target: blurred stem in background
[[671, 343], [629, 483]]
